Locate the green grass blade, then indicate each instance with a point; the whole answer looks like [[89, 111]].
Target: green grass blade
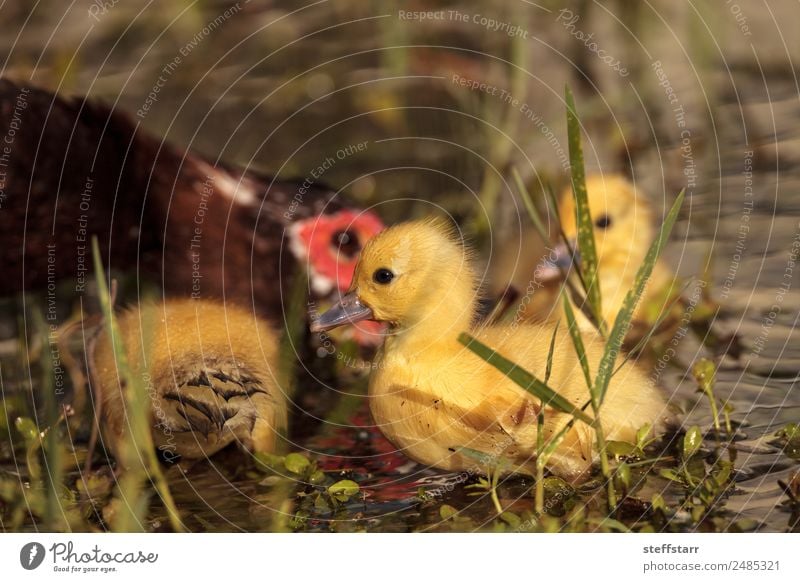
[[550, 352], [666, 311], [623, 320], [586, 242], [577, 297], [139, 460], [522, 378], [552, 201], [533, 212], [577, 341], [55, 517]]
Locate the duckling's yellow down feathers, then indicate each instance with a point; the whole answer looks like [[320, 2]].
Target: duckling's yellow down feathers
[[209, 370], [430, 395]]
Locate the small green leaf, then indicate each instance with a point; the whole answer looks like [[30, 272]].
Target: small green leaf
[[704, 372], [296, 463], [671, 475], [692, 442], [447, 512], [271, 481], [790, 432], [321, 504], [624, 475], [343, 490], [642, 434], [556, 487], [317, 477], [267, 462], [723, 473], [522, 378], [746, 524], [619, 449], [28, 429]]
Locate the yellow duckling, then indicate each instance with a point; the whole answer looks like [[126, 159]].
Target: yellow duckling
[[210, 371], [430, 395], [623, 233]]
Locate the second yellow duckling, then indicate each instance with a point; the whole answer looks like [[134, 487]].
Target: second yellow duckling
[[430, 395], [209, 369], [623, 232]]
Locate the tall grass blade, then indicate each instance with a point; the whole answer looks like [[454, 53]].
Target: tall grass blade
[[623, 319], [577, 297], [577, 341], [665, 313], [138, 451], [533, 212], [550, 352], [540, 457], [53, 442], [586, 242], [522, 378]]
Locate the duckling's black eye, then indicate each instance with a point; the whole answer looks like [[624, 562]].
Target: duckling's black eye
[[346, 242], [603, 221], [383, 276]]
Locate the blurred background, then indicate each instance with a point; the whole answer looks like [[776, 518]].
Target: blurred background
[[447, 97], [281, 87]]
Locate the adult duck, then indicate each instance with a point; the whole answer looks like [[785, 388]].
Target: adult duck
[[73, 168]]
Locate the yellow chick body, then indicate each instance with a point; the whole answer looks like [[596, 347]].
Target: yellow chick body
[[623, 232], [209, 370], [430, 395]]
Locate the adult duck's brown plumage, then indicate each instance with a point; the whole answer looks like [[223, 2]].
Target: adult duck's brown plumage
[[73, 168]]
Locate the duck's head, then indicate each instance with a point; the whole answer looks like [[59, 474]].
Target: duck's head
[[409, 274], [622, 224], [330, 244]]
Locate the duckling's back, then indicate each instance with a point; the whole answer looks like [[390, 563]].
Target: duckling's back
[[632, 400], [211, 373]]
